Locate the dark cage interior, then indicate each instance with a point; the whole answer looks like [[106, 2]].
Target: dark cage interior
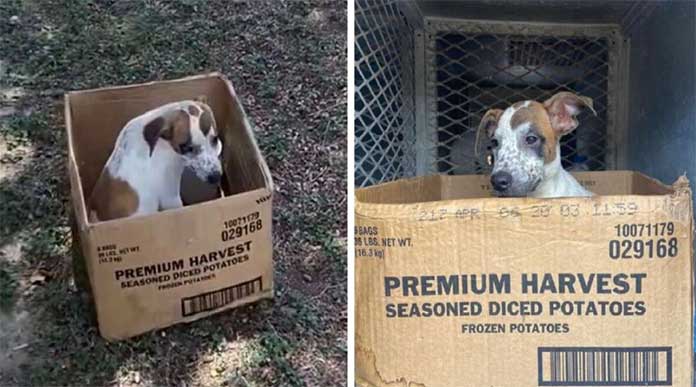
[[476, 72]]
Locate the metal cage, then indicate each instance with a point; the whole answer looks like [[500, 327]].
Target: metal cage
[[422, 87], [473, 66], [384, 92]]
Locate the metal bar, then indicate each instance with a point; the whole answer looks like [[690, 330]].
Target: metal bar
[[424, 143]]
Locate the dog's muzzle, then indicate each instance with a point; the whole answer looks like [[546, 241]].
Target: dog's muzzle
[[213, 178], [501, 181]]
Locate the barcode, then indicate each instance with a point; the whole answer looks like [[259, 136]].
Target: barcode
[[601, 366], [218, 298]]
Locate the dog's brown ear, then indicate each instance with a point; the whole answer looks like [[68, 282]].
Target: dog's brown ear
[[152, 131], [563, 107], [488, 124], [202, 99]]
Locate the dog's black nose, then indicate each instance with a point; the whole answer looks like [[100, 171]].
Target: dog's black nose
[[214, 178], [501, 181]]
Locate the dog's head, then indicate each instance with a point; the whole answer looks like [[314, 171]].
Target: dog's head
[[525, 140], [192, 133]]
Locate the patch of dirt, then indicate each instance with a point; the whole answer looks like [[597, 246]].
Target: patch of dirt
[[15, 338], [11, 253], [310, 285], [12, 93], [13, 158]]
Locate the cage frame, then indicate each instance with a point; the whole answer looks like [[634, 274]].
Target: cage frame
[[424, 89]]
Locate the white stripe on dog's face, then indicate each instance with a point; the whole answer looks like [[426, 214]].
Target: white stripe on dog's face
[[522, 137]]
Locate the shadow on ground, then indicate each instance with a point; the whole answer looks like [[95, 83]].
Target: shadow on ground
[[287, 60]]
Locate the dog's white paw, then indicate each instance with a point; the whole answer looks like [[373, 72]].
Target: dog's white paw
[[171, 203]]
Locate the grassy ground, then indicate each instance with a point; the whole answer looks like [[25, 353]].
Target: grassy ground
[[287, 60]]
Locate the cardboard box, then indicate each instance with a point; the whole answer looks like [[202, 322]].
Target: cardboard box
[[179, 265], [454, 288]]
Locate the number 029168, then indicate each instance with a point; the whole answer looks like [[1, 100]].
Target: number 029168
[[644, 241], [241, 226]]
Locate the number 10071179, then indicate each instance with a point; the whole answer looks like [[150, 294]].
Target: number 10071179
[[654, 240]]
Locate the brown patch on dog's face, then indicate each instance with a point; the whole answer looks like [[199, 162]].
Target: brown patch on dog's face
[[174, 127], [112, 198], [193, 111], [178, 133], [522, 145], [536, 116], [518, 105], [207, 121]]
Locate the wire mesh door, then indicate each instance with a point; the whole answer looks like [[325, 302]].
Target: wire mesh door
[[475, 66], [384, 93]]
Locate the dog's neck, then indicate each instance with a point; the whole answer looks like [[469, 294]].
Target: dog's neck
[[132, 154], [557, 181]]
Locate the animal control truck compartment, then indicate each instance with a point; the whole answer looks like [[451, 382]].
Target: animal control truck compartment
[[427, 71]]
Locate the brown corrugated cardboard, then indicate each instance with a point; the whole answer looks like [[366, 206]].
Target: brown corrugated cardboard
[[455, 288], [179, 265]]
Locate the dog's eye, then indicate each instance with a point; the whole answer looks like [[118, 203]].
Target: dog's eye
[[214, 140], [494, 143], [186, 148], [531, 139]]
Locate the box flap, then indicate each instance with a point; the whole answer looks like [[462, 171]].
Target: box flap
[[447, 187]]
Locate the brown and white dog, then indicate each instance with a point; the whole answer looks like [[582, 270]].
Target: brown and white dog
[[143, 173], [525, 141]]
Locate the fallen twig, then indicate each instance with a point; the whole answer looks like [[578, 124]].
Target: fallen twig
[[21, 346]]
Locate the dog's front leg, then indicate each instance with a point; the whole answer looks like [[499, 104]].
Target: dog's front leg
[[170, 190]]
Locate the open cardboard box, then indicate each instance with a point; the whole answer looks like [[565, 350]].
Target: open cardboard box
[[424, 317], [179, 265]]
